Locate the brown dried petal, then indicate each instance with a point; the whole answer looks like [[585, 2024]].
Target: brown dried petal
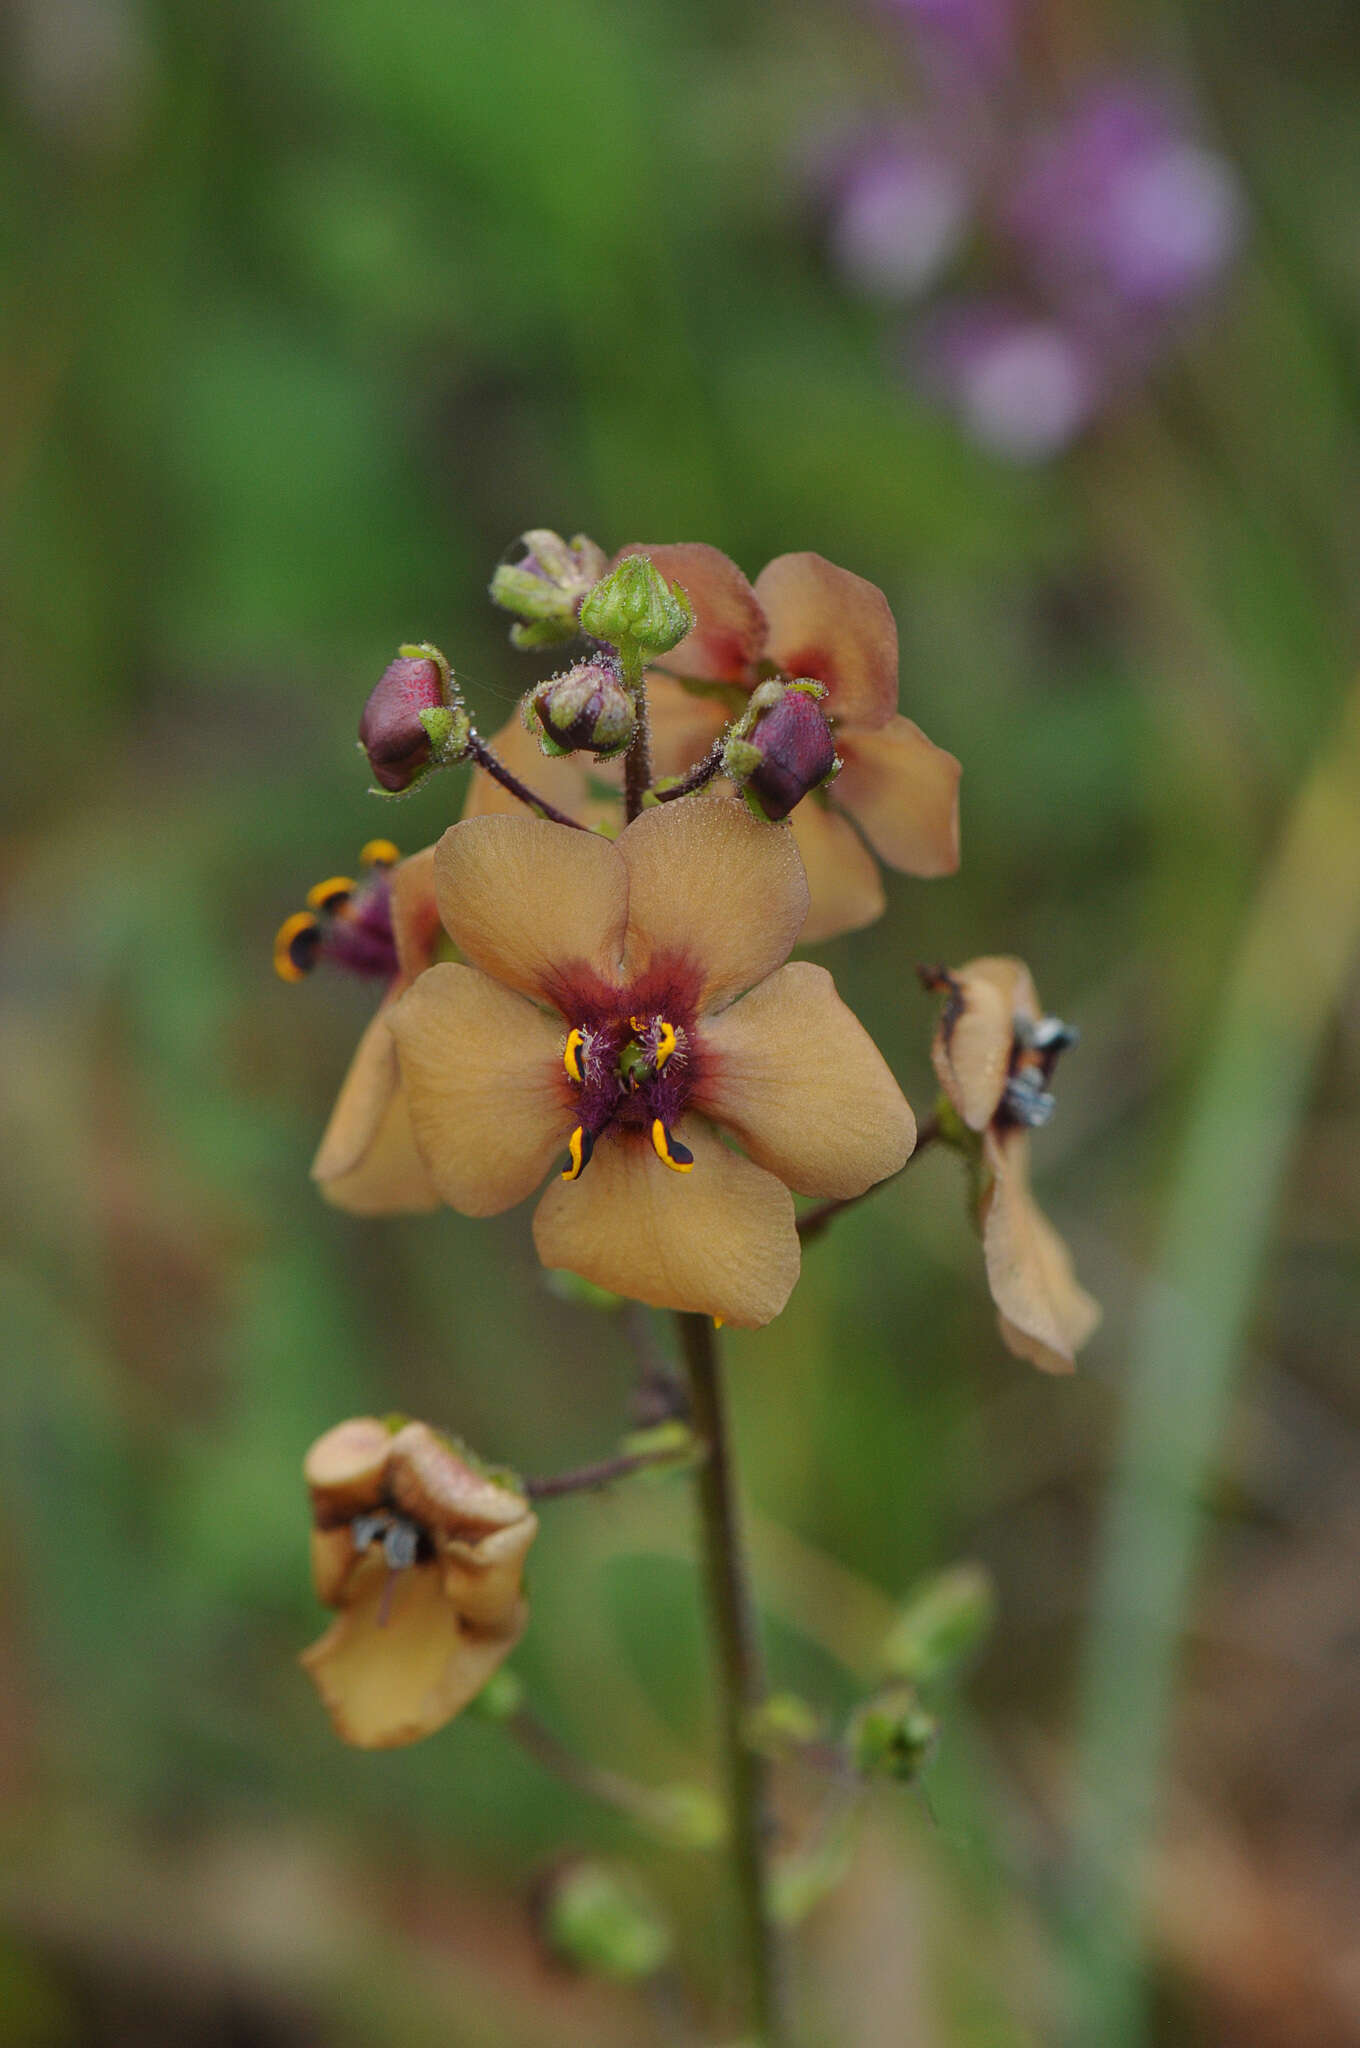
[[1044, 1315], [435, 1487], [976, 1033], [346, 1469]]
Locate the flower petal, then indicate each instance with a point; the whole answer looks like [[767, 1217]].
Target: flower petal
[[398, 1663], [976, 1033], [346, 1469], [482, 1578], [415, 912], [844, 884], [903, 791], [1045, 1315], [713, 889], [485, 1084], [528, 901], [367, 1160], [729, 633], [719, 1241], [796, 1077], [570, 782], [683, 725], [829, 623]]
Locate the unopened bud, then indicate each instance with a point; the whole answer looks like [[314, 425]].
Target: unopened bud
[[599, 1919], [545, 586], [892, 1736], [942, 1624], [412, 721], [587, 708], [781, 747], [636, 610]]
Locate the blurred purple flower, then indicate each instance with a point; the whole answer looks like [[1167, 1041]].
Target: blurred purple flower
[[899, 215], [1121, 213], [1021, 385]]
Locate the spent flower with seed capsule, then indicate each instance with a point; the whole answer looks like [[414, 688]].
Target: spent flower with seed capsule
[[994, 1054], [603, 1017], [422, 1552]]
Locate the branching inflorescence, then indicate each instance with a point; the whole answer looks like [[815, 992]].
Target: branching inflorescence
[[586, 983]]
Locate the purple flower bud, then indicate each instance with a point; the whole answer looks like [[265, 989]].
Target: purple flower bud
[[391, 732], [899, 215], [1022, 386], [587, 708], [786, 751]]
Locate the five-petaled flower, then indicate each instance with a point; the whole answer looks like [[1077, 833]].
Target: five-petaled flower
[[424, 1557], [994, 1054], [603, 1016], [385, 928], [803, 617]]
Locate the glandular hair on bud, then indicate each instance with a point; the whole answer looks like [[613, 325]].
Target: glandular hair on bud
[[781, 747], [393, 731], [636, 610], [588, 708]]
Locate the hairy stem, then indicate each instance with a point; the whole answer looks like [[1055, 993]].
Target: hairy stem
[[637, 762], [741, 1679], [694, 778], [481, 753], [813, 1222]]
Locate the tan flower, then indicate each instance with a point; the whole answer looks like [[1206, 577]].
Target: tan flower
[[802, 617], [424, 1557], [386, 928], [599, 1018], [994, 1054]]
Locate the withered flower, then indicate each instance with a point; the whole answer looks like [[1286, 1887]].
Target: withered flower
[[384, 927], [424, 1557], [994, 1054], [603, 1017]]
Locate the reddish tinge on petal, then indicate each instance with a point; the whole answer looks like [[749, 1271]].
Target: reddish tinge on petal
[[719, 1241], [903, 793], [729, 632], [1043, 1314], [800, 1082], [832, 625], [976, 1032], [483, 1077]]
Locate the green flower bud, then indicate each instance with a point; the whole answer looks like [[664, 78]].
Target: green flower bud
[[892, 1736], [943, 1622], [689, 1817], [501, 1698], [599, 1919], [781, 1723], [588, 708], [545, 586], [634, 609]]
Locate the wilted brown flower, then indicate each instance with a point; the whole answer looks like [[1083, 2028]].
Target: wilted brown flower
[[424, 1557], [994, 1054], [602, 1016]]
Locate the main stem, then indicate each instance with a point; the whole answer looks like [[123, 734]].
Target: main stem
[[637, 762], [741, 1677]]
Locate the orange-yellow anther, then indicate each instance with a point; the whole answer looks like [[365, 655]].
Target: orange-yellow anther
[[665, 1042], [670, 1151], [379, 853], [580, 1145], [330, 894], [288, 955], [571, 1057]]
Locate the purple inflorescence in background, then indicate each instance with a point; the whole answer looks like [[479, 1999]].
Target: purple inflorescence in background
[[1093, 230]]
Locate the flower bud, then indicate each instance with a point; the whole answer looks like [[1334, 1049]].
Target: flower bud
[[943, 1622], [892, 1736], [600, 1921], [781, 747], [588, 707], [544, 588], [412, 721], [636, 610]]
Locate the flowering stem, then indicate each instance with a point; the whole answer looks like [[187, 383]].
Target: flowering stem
[[637, 762], [481, 753], [585, 1478], [694, 778], [608, 1787], [814, 1221], [741, 1677]]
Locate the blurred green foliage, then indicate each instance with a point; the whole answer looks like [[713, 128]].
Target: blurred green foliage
[[312, 309]]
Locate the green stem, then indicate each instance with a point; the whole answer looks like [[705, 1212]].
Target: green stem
[[741, 1678]]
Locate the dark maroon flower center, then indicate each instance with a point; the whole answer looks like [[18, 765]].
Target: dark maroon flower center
[[631, 1061]]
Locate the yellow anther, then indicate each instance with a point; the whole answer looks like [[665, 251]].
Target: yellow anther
[[665, 1042], [718, 1322], [330, 894], [670, 1151], [580, 1145], [379, 853], [571, 1058], [290, 958], [637, 1023]]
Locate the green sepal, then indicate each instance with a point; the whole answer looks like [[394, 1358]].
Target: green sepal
[[601, 1921], [942, 1624]]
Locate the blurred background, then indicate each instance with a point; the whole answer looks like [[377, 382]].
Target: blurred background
[[1043, 315]]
